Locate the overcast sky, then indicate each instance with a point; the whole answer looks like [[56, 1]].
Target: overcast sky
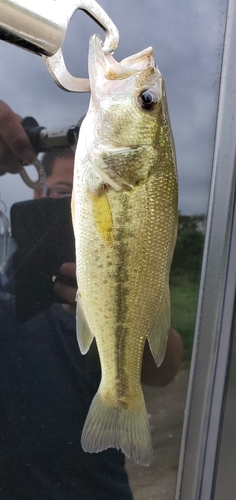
[[187, 37]]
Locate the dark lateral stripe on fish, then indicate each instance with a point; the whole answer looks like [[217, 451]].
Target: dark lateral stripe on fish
[[121, 279]]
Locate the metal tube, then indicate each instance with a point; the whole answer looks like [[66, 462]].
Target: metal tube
[[36, 26]]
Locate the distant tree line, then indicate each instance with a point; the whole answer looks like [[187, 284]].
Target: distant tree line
[[187, 258]]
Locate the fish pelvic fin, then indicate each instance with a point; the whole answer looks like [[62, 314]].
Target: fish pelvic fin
[[157, 339], [114, 426], [83, 332]]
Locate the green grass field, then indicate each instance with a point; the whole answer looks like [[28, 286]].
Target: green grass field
[[184, 296]]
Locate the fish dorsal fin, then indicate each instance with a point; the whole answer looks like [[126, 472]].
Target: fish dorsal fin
[[84, 335], [158, 337]]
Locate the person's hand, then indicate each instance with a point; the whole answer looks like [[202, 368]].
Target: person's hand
[[66, 291], [15, 147]]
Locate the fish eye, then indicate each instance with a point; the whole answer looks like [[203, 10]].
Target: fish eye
[[148, 99]]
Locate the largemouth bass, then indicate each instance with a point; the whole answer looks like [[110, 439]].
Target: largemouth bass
[[124, 209]]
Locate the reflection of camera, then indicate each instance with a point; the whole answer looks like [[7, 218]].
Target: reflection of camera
[[44, 235], [43, 139]]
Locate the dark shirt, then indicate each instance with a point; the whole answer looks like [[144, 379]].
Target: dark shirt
[[46, 387]]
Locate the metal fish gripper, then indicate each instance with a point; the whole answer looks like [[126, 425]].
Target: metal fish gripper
[[41, 28]]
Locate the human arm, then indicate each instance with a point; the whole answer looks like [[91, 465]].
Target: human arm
[[15, 146]]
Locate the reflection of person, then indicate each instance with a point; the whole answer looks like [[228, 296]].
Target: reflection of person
[[59, 165], [46, 385]]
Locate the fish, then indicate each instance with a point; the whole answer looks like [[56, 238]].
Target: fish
[[125, 218]]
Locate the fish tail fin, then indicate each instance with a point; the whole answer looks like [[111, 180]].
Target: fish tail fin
[[118, 427]]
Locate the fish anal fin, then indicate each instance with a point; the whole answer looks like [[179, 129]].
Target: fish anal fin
[[108, 426], [73, 208], [157, 339], [84, 335]]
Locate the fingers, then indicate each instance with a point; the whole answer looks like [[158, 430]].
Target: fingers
[[68, 269], [70, 308], [15, 146], [65, 291]]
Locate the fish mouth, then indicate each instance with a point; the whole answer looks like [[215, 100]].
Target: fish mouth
[[106, 66]]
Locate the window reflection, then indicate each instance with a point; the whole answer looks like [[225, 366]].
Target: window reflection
[[46, 439]]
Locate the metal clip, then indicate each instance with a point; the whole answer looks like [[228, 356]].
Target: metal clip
[[40, 183], [56, 65]]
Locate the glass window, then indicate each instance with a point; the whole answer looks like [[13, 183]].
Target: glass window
[[46, 384]]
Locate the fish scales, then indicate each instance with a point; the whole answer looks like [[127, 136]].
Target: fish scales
[[125, 221]]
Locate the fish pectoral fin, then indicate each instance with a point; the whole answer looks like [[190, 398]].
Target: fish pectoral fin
[[157, 339], [101, 168], [83, 332], [117, 160]]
